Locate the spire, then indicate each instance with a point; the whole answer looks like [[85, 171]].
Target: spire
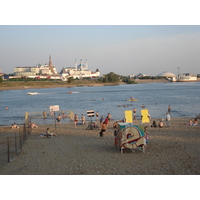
[[51, 65], [50, 61]]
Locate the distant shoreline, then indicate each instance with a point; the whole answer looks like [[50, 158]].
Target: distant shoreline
[[39, 85]]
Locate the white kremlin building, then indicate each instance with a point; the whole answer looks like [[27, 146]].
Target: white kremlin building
[[79, 71], [49, 71]]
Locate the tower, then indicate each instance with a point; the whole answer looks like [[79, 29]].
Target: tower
[[86, 65], [50, 61], [51, 65], [76, 65]]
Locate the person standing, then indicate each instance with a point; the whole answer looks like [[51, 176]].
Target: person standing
[[103, 129], [168, 118], [169, 109], [97, 115], [83, 119], [134, 113], [101, 119], [109, 116], [75, 120], [58, 119], [44, 114]]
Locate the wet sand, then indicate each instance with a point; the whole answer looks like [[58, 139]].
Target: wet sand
[[77, 151]]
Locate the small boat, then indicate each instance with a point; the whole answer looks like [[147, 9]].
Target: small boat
[[132, 100], [32, 93], [70, 92]]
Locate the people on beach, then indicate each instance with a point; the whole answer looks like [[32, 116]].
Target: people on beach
[[75, 120], [44, 114], [168, 118], [115, 125], [195, 121], [154, 124], [58, 119], [160, 124], [14, 126], [103, 129], [48, 134], [169, 109], [134, 113], [33, 125], [83, 119], [97, 115], [109, 117], [101, 119], [106, 121], [191, 123]]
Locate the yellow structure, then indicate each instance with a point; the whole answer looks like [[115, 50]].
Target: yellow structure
[[129, 116], [145, 116]]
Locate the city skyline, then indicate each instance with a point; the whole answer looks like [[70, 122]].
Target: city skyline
[[123, 49]]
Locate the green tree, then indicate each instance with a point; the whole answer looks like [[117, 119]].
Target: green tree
[[111, 78], [70, 80]]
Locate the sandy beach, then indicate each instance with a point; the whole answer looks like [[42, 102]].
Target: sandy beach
[[77, 151]]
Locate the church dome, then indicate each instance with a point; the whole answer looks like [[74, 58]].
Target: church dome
[[166, 74]]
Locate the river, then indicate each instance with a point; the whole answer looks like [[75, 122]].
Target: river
[[184, 98]]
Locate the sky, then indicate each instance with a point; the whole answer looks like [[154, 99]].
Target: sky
[[132, 47], [123, 49]]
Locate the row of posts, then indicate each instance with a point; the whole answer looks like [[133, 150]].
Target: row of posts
[[22, 139]]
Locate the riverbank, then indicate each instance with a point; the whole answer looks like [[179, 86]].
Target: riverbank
[[38, 85], [49, 84], [77, 151], [20, 85]]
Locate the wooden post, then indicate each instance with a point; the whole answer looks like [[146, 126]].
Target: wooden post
[[20, 140], [8, 146], [15, 143], [24, 131], [55, 121]]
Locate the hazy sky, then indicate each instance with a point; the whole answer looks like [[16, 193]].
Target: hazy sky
[[123, 49]]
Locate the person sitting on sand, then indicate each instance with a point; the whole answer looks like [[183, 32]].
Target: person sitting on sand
[[33, 125], [48, 134], [190, 123], [154, 124], [14, 126], [160, 124], [195, 122]]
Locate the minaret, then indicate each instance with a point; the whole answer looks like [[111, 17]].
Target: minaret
[[76, 65], [50, 61], [86, 65], [51, 65]]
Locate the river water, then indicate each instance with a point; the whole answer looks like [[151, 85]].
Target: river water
[[184, 99]]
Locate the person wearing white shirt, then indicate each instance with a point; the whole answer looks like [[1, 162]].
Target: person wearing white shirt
[[168, 118]]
